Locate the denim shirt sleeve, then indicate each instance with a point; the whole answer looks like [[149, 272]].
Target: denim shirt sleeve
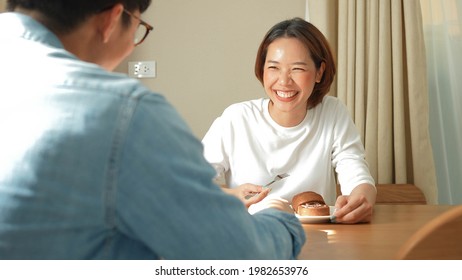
[[161, 193]]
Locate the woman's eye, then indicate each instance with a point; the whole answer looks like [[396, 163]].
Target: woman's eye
[[298, 69]]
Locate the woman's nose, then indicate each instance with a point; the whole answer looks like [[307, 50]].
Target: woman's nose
[[284, 78]]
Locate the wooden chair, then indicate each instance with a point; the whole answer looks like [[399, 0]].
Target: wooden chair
[[398, 194], [439, 239]]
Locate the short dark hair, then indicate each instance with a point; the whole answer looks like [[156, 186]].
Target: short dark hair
[[314, 41], [64, 15]]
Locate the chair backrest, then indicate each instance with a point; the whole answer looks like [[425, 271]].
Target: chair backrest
[[397, 194], [439, 239]]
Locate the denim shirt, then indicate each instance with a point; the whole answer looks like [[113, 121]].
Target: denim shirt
[[95, 166]]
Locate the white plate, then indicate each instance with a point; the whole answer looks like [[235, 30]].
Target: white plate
[[316, 219]]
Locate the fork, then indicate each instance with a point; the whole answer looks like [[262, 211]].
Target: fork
[[277, 178]]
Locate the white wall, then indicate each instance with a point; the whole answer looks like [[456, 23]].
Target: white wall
[[205, 52]]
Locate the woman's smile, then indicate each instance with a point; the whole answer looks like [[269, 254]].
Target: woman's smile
[[285, 94]]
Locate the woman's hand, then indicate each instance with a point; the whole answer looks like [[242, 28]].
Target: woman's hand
[[248, 193], [356, 207]]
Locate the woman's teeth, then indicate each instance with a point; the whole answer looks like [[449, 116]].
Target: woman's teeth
[[285, 94]]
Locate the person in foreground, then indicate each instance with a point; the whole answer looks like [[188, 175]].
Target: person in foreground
[[95, 166], [298, 130]]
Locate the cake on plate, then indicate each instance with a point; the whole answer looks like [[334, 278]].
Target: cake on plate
[[310, 204]]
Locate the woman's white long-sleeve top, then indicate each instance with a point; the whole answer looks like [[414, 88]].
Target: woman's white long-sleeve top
[[245, 145]]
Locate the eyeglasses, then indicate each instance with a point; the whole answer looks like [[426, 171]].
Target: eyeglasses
[[142, 31]]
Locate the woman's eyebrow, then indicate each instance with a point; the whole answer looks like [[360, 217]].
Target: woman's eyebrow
[[294, 63]]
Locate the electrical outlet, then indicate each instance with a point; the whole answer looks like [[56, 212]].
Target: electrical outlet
[[142, 69]]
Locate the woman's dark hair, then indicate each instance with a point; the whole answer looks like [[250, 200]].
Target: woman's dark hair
[[64, 15], [316, 44]]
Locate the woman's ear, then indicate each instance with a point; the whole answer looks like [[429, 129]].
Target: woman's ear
[[320, 72], [109, 20]]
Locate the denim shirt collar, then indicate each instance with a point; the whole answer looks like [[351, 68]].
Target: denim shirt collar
[[17, 25]]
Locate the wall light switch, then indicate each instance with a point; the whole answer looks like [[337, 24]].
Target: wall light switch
[[142, 69]]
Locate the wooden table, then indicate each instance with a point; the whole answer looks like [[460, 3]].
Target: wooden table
[[391, 226]]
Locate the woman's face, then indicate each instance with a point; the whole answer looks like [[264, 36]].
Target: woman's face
[[289, 76]]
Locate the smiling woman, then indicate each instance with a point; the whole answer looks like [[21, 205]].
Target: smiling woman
[[296, 130]]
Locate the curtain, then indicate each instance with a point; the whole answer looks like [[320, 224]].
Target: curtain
[[443, 40], [381, 78]]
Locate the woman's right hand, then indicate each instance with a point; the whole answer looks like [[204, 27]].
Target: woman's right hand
[[248, 193]]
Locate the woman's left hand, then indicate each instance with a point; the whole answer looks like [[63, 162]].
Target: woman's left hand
[[356, 207]]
